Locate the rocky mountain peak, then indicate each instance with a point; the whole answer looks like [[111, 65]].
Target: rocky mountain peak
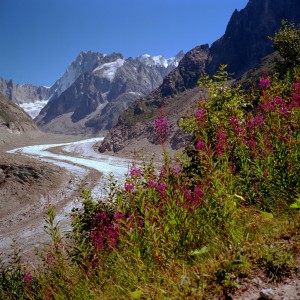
[[84, 62], [245, 40]]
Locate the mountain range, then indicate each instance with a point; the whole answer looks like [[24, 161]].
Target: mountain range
[[92, 92]]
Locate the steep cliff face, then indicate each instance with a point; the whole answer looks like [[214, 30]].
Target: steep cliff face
[[246, 41]]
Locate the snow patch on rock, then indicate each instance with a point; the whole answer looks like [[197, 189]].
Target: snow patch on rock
[[109, 69]]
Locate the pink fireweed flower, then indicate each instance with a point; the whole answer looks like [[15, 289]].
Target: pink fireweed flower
[[200, 145], [277, 100], [250, 124], [119, 216], [135, 172], [258, 120], [221, 135], [152, 184], [234, 120], [240, 131], [200, 115], [267, 144], [162, 188], [234, 123], [50, 258], [27, 277], [112, 235], [106, 235], [187, 194], [252, 143], [222, 144], [163, 172], [284, 109], [198, 192], [97, 239], [176, 170], [236, 126], [264, 83], [101, 215], [268, 106], [129, 187], [161, 126], [296, 87], [197, 197]]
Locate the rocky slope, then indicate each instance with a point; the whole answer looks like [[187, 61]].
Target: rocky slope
[[13, 119], [97, 97], [243, 45]]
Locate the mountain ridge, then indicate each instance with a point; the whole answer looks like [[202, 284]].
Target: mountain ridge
[[245, 40], [244, 43]]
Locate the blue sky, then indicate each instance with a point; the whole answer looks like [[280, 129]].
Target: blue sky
[[40, 38]]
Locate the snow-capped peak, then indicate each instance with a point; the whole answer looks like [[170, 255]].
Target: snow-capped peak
[[159, 60]]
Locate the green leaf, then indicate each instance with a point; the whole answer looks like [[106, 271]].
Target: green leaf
[[238, 262], [267, 215], [203, 250], [295, 205], [136, 294]]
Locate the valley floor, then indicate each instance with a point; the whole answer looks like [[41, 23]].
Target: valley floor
[[28, 185]]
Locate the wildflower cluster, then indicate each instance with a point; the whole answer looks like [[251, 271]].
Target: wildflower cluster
[[162, 125], [259, 145]]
